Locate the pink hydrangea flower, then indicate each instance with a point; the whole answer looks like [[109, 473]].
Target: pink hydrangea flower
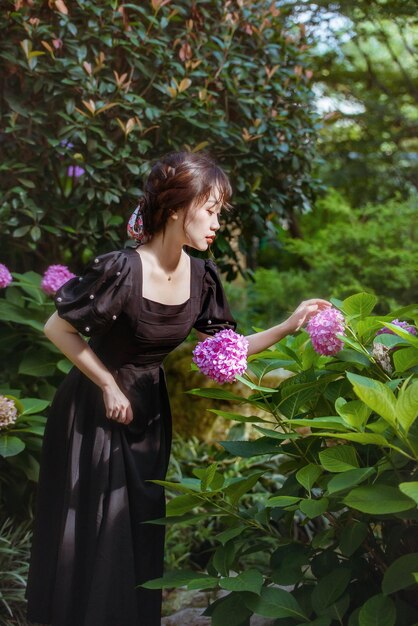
[[222, 356], [8, 412], [396, 322], [54, 277], [5, 276], [323, 328]]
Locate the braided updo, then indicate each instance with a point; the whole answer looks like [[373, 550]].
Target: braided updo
[[181, 180]]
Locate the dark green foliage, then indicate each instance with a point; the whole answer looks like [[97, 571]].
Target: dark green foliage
[[109, 88], [336, 509]]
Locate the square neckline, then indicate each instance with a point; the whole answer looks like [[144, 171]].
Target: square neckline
[[156, 301]]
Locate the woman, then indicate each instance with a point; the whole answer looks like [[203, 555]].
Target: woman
[[109, 426]]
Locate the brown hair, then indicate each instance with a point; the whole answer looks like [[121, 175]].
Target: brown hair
[[180, 180]]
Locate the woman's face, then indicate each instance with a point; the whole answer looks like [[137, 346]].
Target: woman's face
[[201, 223]]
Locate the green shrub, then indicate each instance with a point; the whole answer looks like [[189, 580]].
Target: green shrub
[[14, 557], [373, 248], [337, 527], [91, 92]]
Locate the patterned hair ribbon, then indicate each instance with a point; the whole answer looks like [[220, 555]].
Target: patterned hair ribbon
[[135, 226]]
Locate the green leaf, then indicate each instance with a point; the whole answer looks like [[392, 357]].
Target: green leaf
[[376, 395], [10, 446], [282, 501], [249, 580], [338, 458], [37, 363], [377, 611], [242, 486], [405, 358], [229, 610], [253, 386], [354, 413], [407, 406], [404, 334], [174, 579], [378, 500], [352, 536], [230, 533], [223, 558], [229, 415], [349, 479], [330, 588], [410, 489], [182, 504], [33, 405], [401, 574], [263, 445], [274, 434], [216, 394], [313, 508], [363, 438], [275, 602], [308, 475], [359, 305]]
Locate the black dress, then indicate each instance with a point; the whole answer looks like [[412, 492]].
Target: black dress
[[90, 548]]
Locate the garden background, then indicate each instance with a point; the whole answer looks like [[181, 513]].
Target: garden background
[[312, 109]]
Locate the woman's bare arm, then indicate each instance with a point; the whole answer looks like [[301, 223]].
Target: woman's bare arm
[[266, 338], [74, 347]]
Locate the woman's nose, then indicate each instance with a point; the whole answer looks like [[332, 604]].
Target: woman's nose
[[215, 224]]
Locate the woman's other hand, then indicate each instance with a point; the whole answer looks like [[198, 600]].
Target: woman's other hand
[[117, 405], [306, 310]]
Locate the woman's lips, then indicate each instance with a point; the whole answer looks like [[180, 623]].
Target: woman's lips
[[211, 238]]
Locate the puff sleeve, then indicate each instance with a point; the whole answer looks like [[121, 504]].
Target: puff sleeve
[[93, 301], [215, 314]]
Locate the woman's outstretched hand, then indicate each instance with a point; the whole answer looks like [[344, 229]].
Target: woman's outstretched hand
[[306, 310], [117, 405]]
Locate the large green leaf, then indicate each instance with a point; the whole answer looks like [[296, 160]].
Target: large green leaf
[[363, 438], [377, 611], [338, 458], [349, 479], [355, 413], [359, 305], [401, 573], [308, 475], [410, 489], [37, 362], [405, 358], [330, 588], [237, 417], [314, 508], [216, 394], [275, 602], [242, 486], [263, 445], [33, 405], [378, 500], [407, 405], [352, 536], [223, 557], [175, 579], [282, 501], [182, 504], [10, 445], [248, 580], [376, 395], [230, 610]]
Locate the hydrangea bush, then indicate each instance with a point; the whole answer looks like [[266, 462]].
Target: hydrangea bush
[[323, 528]]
